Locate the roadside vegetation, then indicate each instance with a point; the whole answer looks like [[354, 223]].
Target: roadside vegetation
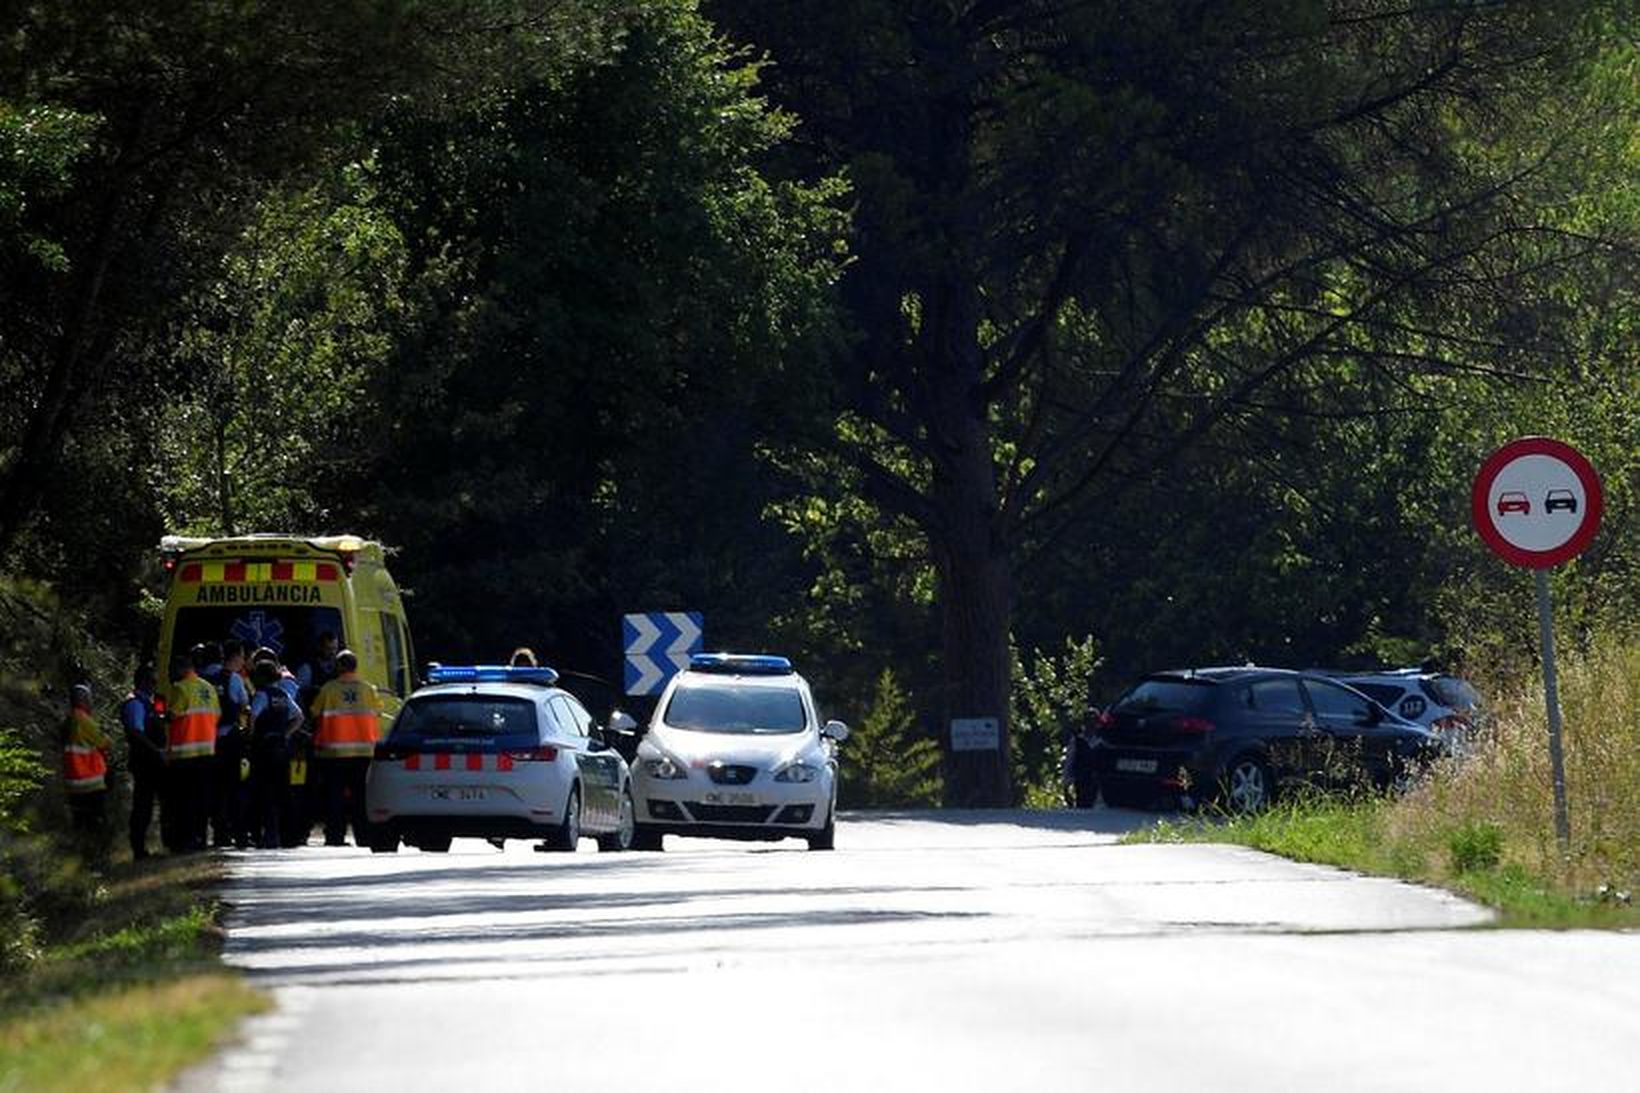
[[1484, 827], [122, 987], [109, 969]]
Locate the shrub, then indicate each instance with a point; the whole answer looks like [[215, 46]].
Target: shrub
[[1051, 696], [1475, 846], [885, 763]]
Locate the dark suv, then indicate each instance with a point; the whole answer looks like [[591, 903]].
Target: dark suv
[[1235, 736]]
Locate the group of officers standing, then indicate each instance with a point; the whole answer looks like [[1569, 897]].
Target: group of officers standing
[[224, 751]]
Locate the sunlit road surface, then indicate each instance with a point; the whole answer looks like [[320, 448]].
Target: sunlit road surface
[[951, 951]]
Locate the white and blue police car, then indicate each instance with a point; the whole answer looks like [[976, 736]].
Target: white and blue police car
[[495, 752], [736, 749]]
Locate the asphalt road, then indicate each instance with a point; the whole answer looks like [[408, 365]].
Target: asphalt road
[[959, 951]]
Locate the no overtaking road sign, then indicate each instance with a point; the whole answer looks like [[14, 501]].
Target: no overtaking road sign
[[1537, 502]]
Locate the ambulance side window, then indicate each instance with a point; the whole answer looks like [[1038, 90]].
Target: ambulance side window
[[398, 665]]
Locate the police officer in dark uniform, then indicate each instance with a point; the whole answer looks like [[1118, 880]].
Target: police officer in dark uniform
[[145, 755], [1080, 778]]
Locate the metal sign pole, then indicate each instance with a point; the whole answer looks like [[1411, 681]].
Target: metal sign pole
[[1551, 692]]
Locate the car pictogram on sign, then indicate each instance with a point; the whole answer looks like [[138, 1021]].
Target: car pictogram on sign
[[1560, 501], [1514, 502]]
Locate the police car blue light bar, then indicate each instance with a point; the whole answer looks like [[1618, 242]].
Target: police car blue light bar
[[489, 673], [743, 664]]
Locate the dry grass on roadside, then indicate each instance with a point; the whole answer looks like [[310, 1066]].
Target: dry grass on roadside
[[136, 1037], [128, 993], [1506, 786]]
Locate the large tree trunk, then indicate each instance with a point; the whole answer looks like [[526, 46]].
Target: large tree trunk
[[974, 570], [976, 598]]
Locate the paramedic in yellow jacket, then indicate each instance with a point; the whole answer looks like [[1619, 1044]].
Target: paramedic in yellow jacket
[[346, 722], [85, 764], [190, 752]]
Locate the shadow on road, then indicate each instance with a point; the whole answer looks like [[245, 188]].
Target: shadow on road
[[626, 928], [1093, 821], [391, 897]]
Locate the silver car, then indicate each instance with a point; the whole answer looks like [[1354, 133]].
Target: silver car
[[498, 753]]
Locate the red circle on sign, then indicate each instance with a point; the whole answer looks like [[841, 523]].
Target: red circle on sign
[[1485, 519]]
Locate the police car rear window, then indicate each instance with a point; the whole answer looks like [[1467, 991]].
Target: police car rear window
[[1454, 692], [465, 716], [728, 708]]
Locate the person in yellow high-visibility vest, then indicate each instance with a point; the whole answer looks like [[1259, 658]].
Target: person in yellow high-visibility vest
[[190, 751], [85, 765], [347, 720]]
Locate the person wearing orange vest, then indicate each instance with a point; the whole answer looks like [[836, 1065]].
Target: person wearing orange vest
[[346, 719], [190, 750], [85, 765]]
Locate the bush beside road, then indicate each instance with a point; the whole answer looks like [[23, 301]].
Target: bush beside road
[[1484, 827], [127, 988]]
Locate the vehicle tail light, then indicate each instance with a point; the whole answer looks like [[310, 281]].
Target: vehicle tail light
[[1450, 723], [1192, 724], [159, 705], [1105, 720], [541, 754]]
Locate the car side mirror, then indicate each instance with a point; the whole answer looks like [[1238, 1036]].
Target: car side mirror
[[621, 722], [835, 730]]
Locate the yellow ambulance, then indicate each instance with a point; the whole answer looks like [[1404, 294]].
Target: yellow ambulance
[[288, 593]]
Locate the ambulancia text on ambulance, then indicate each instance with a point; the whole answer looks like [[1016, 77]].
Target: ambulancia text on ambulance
[[297, 596]]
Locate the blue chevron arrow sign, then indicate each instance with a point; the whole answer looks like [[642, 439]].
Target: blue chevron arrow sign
[[658, 645]]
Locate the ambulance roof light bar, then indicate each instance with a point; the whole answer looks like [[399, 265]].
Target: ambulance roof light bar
[[489, 673]]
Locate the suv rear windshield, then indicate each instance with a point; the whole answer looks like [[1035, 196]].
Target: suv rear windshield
[[465, 717], [1170, 695], [718, 707]]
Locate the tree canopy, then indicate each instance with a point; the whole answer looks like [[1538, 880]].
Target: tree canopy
[[914, 336]]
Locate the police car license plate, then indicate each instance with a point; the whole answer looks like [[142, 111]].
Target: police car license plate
[[730, 798], [456, 793], [1136, 766]]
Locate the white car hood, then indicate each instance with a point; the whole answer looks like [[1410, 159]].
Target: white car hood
[[697, 749]]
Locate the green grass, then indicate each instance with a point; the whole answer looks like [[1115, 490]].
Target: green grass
[[127, 994], [1358, 835], [1484, 828]]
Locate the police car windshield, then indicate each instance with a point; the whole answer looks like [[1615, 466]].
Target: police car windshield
[[446, 716], [725, 707]]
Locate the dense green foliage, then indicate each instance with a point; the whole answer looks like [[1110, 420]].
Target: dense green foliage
[[893, 335]]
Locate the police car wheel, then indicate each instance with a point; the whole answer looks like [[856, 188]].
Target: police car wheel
[[622, 837], [567, 836], [433, 844], [384, 842]]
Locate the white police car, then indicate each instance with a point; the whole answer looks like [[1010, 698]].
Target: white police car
[[1447, 706], [737, 750], [498, 753]]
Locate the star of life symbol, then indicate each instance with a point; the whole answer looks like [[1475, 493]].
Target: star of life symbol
[[255, 629]]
